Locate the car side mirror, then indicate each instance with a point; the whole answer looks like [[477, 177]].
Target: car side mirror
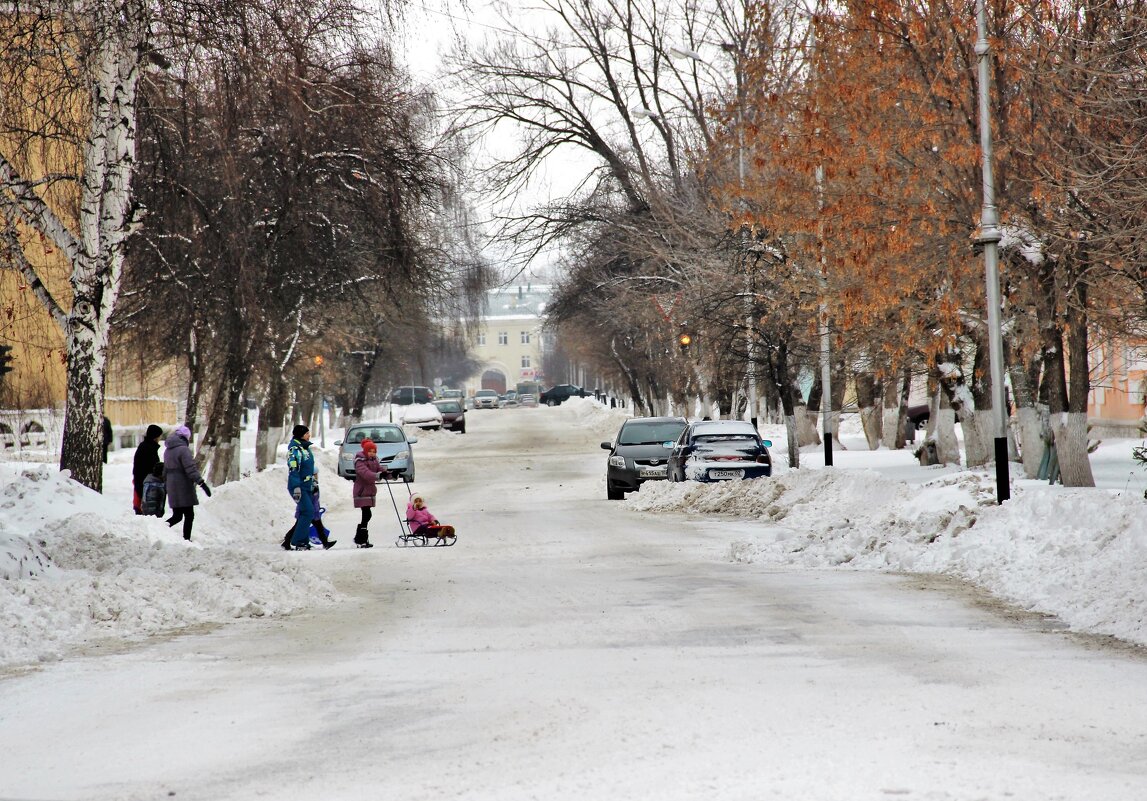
[[768, 443], [338, 442], [607, 446], [412, 439]]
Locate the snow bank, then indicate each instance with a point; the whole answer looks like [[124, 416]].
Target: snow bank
[[592, 415], [1073, 553], [74, 567]]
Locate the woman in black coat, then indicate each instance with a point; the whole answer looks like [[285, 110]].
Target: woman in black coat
[[146, 458]]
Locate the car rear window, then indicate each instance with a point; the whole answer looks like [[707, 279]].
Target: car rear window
[[449, 406], [725, 438]]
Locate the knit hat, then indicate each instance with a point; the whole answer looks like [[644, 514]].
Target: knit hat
[[153, 431], [368, 446], [183, 431], [298, 431], [416, 497]]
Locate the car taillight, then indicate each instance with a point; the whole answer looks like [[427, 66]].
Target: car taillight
[[764, 459]]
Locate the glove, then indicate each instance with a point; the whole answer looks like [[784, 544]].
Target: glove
[[206, 489], [297, 494]]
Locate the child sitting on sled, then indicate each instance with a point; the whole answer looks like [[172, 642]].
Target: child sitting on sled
[[422, 523]]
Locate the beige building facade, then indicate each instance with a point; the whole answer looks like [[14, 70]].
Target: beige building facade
[[509, 340]]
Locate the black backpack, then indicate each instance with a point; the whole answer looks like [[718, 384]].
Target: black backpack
[[154, 498]]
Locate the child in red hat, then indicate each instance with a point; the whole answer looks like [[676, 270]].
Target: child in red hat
[[367, 473]]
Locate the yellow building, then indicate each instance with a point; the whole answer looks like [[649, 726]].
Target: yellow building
[[509, 340]]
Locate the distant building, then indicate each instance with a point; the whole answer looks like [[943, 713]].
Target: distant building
[[508, 339], [1118, 396]]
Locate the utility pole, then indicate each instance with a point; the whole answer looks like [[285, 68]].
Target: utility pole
[[989, 236]]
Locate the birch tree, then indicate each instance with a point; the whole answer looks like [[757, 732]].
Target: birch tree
[[67, 157]]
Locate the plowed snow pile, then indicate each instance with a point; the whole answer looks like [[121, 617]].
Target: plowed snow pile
[[1075, 554], [74, 567]]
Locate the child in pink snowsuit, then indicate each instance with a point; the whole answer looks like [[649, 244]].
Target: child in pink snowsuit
[[418, 517]]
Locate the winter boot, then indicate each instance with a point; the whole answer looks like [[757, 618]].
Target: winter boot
[[361, 538], [287, 538], [324, 534]]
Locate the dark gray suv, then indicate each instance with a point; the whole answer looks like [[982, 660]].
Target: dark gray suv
[[640, 453], [405, 396]]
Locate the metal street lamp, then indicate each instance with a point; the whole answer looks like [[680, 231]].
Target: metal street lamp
[[750, 323], [989, 236]]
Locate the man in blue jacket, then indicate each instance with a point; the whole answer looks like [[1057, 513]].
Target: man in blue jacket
[[302, 484]]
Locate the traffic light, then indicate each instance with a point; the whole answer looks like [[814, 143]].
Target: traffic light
[[684, 340]]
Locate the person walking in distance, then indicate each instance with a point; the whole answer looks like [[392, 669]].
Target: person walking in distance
[[301, 484], [146, 458], [367, 473], [106, 436], [316, 524], [181, 476]]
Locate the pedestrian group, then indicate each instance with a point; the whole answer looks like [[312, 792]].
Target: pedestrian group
[[172, 481]]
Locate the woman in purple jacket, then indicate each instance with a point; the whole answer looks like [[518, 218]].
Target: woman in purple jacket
[[181, 475], [367, 473]]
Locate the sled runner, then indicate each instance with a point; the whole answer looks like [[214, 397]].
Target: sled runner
[[434, 536]]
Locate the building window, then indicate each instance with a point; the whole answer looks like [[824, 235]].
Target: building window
[[525, 341], [481, 339], [503, 338], [525, 361]]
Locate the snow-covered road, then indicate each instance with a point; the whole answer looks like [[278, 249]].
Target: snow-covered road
[[572, 648]]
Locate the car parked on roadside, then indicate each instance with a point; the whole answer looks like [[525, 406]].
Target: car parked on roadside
[[394, 451], [404, 396], [485, 399], [918, 415], [423, 415], [555, 395], [528, 400], [509, 400], [640, 453], [720, 450], [446, 392], [453, 414]]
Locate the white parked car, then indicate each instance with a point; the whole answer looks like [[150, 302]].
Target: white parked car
[[423, 415], [485, 399]]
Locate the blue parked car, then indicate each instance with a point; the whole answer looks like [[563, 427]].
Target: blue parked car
[[394, 451]]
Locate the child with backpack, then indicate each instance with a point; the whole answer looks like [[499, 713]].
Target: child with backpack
[[153, 498]]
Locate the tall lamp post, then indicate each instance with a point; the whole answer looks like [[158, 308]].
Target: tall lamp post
[[750, 323], [989, 236]]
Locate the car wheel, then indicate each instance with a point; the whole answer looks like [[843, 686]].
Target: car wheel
[[551, 403], [462, 429], [612, 494], [408, 478]]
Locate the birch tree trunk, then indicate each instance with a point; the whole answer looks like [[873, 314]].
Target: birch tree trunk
[[805, 425], [896, 411], [1070, 429], [1030, 415], [869, 414], [959, 394]]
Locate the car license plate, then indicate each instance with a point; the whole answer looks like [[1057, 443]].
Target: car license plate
[[652, 472], [721, 475]]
